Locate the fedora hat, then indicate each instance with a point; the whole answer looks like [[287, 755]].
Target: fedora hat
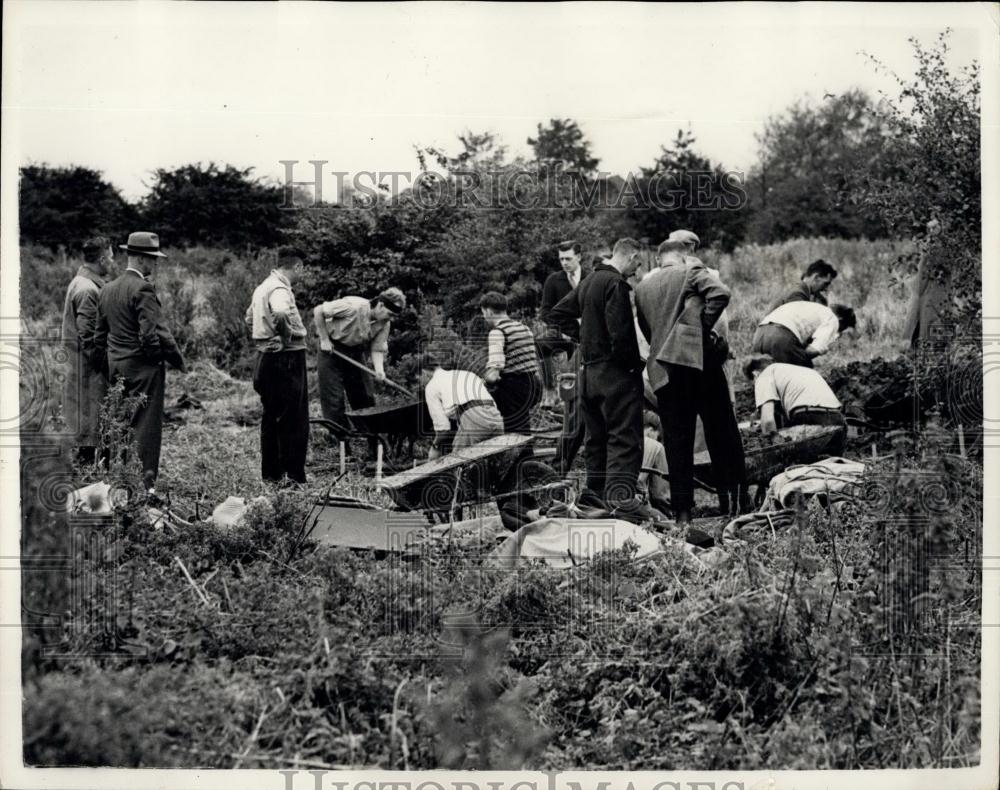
[[143, 242]]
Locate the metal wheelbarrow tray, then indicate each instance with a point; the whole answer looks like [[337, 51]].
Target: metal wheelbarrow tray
[[481, 472], [803, 444]]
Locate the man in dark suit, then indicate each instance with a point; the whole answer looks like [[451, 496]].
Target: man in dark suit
[[557, 286], [130, 328], [816, 279], [677, 306], [610, 382]]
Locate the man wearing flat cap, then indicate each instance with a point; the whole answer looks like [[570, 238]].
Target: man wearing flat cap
[[356, 328], [138, 344]]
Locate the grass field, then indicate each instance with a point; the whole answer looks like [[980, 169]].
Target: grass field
[[287, 655]]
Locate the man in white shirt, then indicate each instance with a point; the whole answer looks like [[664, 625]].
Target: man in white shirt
[[798, 332], [459, 396], [356, 328], [789, 395]]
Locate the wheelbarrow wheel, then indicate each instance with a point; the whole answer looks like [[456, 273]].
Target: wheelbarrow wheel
[[528, 482]]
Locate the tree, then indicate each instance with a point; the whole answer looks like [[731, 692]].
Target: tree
[[807, 155], [64, 206], [562, 145], [208, 205], [684, 189], [930, 170]]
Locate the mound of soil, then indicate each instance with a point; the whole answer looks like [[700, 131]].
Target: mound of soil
[[875, 382]]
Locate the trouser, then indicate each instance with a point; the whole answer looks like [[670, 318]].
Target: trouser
[[280, 379], [821, 417], [781, 343], [611, 404], [477, 425], [340, 382], [516, 394], [574, 428], [690, 393], [143, 378]]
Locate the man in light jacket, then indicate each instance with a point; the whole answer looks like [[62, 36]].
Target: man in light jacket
[[279, 375], [677, 306], [87, 366]]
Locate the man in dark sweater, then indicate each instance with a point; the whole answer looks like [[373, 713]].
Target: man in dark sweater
[[610, 384], [130, 328], [816, 279]]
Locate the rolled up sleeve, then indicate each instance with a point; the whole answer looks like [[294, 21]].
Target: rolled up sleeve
[[495, 357], [435, 407], [380, 340], [824, 336], [764, 389]]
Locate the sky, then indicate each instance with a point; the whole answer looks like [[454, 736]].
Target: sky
[[129, 87]]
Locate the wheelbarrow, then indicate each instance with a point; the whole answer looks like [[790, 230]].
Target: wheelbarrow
[[395, 428], [501, 469]]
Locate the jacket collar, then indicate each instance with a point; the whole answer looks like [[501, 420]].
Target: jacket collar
[[136, 272], [90, 274], [281, 278]]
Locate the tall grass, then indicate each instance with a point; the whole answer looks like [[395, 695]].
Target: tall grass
[[758, 274]]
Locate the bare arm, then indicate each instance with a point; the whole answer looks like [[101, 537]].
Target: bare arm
[[319, 317]]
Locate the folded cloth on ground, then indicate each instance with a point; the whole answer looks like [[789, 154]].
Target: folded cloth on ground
[[229, 513], [565, 542], [835, 478], [95, 498]]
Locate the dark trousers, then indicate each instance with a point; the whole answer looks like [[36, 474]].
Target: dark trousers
[[781, 343], [689, 393], [280, 380], [142, 378], [573, 432], [822, 417], [611, 404], [340, 382], [516, 394]]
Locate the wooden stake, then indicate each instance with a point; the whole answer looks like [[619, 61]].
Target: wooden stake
[[961, 440], [378, 463], [874, 453], [343, 458]]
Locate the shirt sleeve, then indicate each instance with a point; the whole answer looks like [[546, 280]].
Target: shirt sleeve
[[435, 407], [334, 309], [248, 318], [496, 358], [764, 389], [380, 340], [824, 336]]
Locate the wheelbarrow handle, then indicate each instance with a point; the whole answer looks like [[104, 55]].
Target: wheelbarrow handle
[[368, 370]]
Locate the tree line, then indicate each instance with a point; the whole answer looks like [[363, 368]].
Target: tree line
[[846, 166]]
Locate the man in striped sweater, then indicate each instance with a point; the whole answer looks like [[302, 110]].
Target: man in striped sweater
[[512, 364]]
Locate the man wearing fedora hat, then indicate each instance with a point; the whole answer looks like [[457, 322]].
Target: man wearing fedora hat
[[130, 329]]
